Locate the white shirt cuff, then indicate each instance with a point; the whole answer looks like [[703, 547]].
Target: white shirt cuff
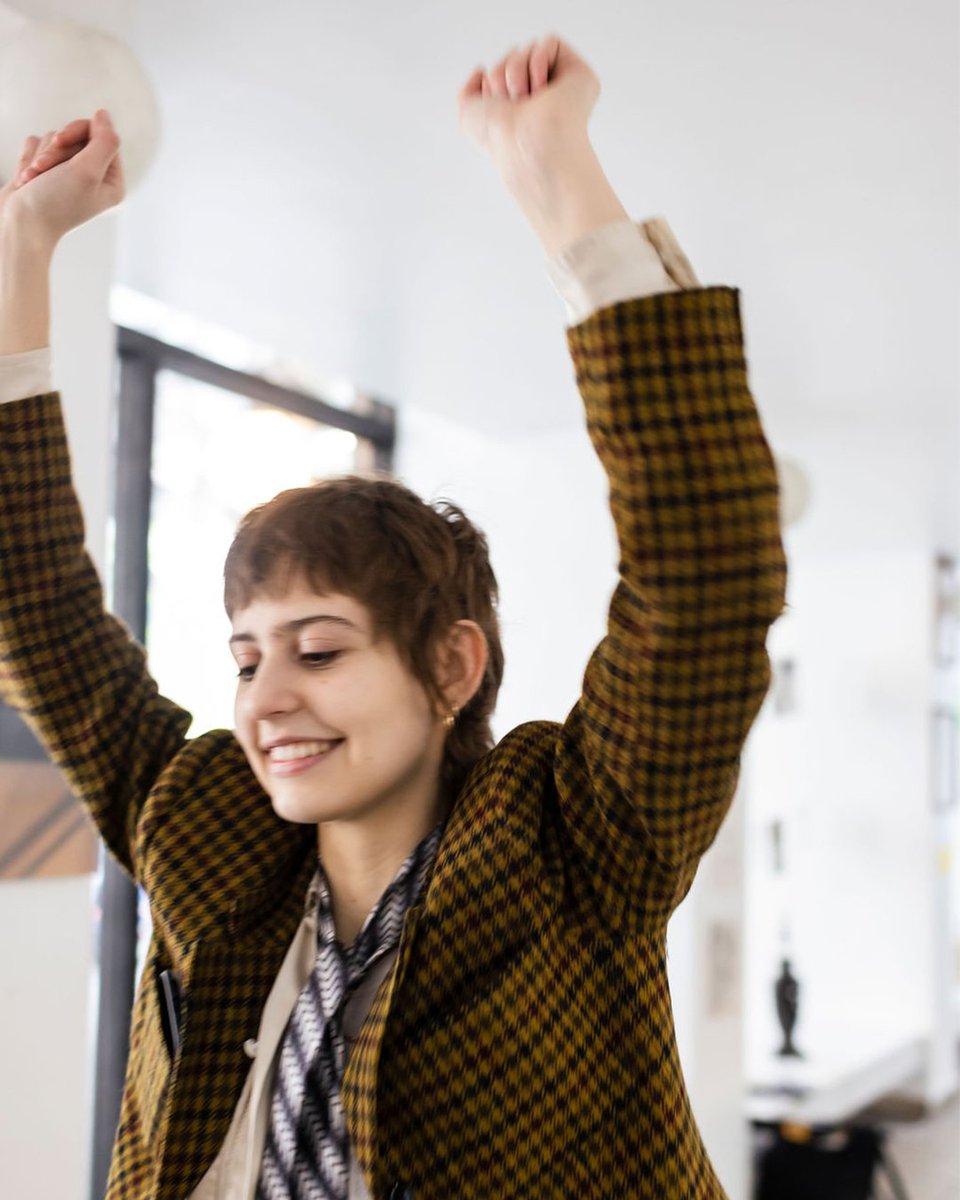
[[618, 261], [27, 374]]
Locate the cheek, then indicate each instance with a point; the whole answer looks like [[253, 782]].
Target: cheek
[[245, 732], [241, 725], [413, 723], [253, 759], [390, 707], [406, 697]]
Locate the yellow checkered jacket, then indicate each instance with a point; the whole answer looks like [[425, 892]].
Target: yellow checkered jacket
[[524, 1044]]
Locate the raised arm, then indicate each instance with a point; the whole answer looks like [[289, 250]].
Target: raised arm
[[647, 761], [71, 669]]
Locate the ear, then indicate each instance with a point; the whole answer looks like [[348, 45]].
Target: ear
[[462, 660]]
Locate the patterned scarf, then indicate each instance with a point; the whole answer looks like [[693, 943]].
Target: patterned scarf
[[307, 1151]]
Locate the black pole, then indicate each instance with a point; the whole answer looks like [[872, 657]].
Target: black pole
[[116, 942]]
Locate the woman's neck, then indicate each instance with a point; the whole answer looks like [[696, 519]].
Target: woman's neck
[[361, 859]]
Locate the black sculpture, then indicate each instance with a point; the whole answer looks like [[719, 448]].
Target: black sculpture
[[787, 992]]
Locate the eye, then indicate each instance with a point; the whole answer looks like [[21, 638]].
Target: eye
[[319, 658], [246, 671]]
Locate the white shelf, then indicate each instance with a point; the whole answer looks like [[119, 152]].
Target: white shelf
[[847, 1073]]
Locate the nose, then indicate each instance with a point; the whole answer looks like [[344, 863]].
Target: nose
[[271, 692]]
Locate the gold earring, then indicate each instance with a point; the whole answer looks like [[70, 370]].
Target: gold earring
[[451, 718]]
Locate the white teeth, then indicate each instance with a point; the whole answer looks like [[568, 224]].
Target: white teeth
[[298, 750]]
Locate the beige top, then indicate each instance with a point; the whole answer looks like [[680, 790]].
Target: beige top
[[234, 1172]]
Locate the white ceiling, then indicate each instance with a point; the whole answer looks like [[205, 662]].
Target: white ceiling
[[314, 193]]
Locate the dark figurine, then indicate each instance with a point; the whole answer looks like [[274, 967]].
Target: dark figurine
[[787, 991]]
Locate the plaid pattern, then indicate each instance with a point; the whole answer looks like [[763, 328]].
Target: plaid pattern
[[523, 1045], [307, 1152]]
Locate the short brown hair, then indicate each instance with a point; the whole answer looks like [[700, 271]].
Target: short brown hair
[[417, 568]]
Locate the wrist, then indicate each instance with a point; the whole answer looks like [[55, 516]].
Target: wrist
[[565, 195], [25, 260], [23, 243]]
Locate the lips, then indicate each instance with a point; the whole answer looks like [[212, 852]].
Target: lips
[[289, 751], [292, 757]]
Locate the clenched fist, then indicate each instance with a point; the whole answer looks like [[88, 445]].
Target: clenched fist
[[65, 178], [531, 107], [530, 113]]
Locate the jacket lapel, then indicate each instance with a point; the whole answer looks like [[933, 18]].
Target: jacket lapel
[[359, 1093], [226, 983]]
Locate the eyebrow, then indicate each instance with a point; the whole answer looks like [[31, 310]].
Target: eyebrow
[[293, 626]]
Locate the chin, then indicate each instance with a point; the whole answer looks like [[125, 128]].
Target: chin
[[306, 810], [295, 809]]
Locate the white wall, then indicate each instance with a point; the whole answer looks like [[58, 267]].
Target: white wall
[[45, 947], [707, 948], [47, 927], [542, 501], [849, 772], [849, 769], [313, 190]]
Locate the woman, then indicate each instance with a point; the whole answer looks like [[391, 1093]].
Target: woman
[[445, 959]]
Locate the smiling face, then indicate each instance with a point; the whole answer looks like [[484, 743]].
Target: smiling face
[[334, 725]]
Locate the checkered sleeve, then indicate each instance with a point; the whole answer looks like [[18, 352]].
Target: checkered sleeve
[[647, 761], [73, 671]]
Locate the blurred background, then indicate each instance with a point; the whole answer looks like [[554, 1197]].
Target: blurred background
[[315, 270]]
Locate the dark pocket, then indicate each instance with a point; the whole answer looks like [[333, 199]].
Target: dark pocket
[[170, 1005]]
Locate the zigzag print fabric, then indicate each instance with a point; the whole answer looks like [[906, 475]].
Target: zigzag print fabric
[[307, 1152]]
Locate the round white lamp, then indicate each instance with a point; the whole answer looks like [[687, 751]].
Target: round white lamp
[[55, 71]]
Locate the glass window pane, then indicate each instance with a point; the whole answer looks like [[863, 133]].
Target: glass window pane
[[216, 455]]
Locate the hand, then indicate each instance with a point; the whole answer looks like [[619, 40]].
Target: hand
[[65, 178], [530, 108], [530, 112]]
